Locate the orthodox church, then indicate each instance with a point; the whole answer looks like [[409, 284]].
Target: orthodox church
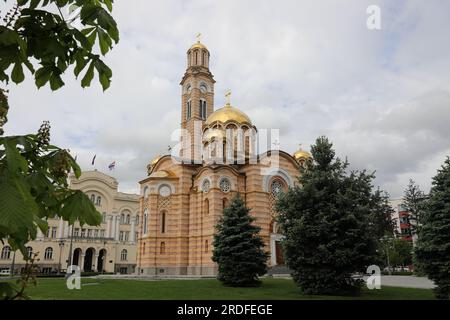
[[184, 193]]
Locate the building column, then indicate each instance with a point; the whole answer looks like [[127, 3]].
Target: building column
[[60, 228], [108, 226], [94, 262], [273, 251], [117, 227], [132, 237], [81, 261], [66, 229]]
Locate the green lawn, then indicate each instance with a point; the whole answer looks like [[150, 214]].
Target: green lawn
[[96, 289]]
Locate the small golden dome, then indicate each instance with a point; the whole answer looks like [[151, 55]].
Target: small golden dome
[[155, 160], [228, 113], [198, 45], [302, 154]]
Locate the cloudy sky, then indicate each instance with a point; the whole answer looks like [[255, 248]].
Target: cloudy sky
[[309, 68]]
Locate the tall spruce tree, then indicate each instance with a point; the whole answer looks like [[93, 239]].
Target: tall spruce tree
[[326, 220], [433, 246], [238, 249], [382, 215], [414, 202]]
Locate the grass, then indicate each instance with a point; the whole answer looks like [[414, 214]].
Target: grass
[[205, 289]]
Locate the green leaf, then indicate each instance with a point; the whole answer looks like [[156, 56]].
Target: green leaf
[[42, 76], [86, 81], [17, 73], [16, 163], [56, 81], [17, 206], [77, 206], [104, 41]]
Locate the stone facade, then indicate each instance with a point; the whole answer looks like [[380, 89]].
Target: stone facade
[[110, 247], [182, 199]]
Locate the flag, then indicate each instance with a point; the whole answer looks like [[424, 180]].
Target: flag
[[93, 159], [112, 165]]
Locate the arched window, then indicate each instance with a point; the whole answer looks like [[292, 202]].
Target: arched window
[[276, 187], [202, 108], [104, 217], [123, 255], [188, 110], [136, 220], [6, 253], [143, 248], [206, 246], [196, 57], [128, 219], [93, 198], [30, 252], [162, 248], [145, 193], [48, 254], [99, 201], [122, 218], [145, 222], [206, 207], [224, 203], [163, 222]]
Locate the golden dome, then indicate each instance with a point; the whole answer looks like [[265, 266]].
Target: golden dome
[[228, 113], [198, 45], [302, 154], [155, 160]]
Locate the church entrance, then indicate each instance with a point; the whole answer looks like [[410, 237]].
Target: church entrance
[[279, 253], [88, 259]]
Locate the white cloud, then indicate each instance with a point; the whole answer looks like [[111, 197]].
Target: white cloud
[[307, 68]]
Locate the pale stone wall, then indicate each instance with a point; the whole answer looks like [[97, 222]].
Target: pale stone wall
[[112, 235]]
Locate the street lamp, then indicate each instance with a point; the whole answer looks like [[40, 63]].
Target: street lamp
[[386, 241], [61, 245]]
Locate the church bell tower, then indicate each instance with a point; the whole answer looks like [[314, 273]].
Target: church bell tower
[[197, 100]]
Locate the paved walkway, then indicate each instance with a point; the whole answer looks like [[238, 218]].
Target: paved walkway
[[407, 282]]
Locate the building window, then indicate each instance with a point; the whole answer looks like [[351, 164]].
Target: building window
[[93, 198], [205, 186], [202, 108], [162, 248], [96, 233], [163, 222], [188, 110], [136, 219], [48, 254], [206, 246], [30, 252], [127, 235], [144, 226], [121, 236], [89, 233], [99, 201], [102, 233], [122, 218], [123, 255], [128, 219], [76, 232], [225, 185], [206, 207], [83, 233], [53, 232], [6, 253], [104, 217], [276, 188], [224, 203]]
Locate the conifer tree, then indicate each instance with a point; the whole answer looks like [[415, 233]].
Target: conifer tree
[[326, 220], [238, 249], [433, 246], [414, 203]]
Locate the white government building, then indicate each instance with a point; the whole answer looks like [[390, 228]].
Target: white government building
[[109, 247]]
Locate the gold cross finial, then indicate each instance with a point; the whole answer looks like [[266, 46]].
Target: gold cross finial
[[198, 35], [227, 96]]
